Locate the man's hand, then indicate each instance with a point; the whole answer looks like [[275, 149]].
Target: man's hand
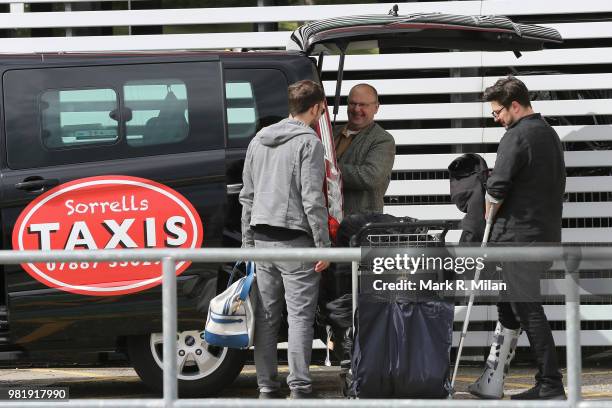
[[491, 209], [492, 205], [321, 266]]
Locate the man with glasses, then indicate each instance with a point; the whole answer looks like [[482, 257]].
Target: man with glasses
[[365, 153], [283, 206], [526, 189]]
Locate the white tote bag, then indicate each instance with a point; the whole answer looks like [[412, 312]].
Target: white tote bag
[[231, 314]]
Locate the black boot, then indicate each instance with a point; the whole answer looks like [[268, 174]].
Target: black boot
[[549, 384], [297, 394], [343, 348], [541, 392]]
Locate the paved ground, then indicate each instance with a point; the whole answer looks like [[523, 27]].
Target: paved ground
[[124, 383]]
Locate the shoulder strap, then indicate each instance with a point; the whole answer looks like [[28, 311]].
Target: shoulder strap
[[234, 269], [248, 282]]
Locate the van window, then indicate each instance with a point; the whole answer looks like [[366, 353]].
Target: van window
[[254, 98], [77, 117], [56, 116], [241, 110], [159, 112]]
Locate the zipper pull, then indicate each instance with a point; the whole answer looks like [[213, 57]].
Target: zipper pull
[[237, 304]]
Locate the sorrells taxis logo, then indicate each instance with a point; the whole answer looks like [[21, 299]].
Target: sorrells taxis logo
[[107, 212]]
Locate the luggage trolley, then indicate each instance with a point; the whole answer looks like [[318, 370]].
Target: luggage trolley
[[404, 233]]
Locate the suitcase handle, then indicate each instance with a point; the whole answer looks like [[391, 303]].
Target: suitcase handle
[[406, 222]]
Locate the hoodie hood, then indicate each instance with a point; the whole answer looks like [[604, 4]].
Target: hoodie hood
[[468, 164], [283, 131], [468, 178]]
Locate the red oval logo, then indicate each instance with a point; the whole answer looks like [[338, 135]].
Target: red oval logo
[[106, 212]]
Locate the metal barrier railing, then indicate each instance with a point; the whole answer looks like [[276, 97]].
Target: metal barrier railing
[[571, 255]]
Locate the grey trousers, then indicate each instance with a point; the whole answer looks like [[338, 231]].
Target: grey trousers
[[298, 283]]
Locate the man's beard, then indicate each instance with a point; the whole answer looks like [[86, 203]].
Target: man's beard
[[508, 123]]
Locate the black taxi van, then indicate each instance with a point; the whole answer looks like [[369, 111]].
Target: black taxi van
[[184, 120]]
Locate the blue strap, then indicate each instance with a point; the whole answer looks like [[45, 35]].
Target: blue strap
[[248, 281]]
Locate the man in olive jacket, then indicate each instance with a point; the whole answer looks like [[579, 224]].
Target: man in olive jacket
[[365, 153]]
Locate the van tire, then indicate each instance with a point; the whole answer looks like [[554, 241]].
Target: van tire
[[218, 368]]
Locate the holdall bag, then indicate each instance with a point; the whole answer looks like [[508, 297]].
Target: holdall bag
[[402, 350], [231, 314]]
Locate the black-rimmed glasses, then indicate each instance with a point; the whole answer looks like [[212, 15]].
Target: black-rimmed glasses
[[496, 113]]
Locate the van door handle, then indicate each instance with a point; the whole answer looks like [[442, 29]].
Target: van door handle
[[234, 188], [37, 184]]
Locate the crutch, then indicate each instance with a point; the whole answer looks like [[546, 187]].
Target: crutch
[[466, 322]]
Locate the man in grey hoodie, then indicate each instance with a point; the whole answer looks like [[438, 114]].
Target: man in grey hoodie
[[283, 206]]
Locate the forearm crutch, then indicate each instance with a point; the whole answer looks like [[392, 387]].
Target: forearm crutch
[[466, 322]]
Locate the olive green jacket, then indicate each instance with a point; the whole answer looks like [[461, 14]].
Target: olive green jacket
[[366, 169]]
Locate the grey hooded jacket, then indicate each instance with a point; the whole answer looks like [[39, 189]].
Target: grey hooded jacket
[[283, 178]]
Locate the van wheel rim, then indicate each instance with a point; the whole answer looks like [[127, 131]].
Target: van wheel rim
[[195, 358]]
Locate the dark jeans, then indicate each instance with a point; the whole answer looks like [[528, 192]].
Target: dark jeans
[[530, 316]]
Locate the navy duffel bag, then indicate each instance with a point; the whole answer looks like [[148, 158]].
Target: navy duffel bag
[[402, 349]]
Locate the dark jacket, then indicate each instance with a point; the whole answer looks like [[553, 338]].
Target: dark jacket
[[529, 174], [366, 169], [468, 181]]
